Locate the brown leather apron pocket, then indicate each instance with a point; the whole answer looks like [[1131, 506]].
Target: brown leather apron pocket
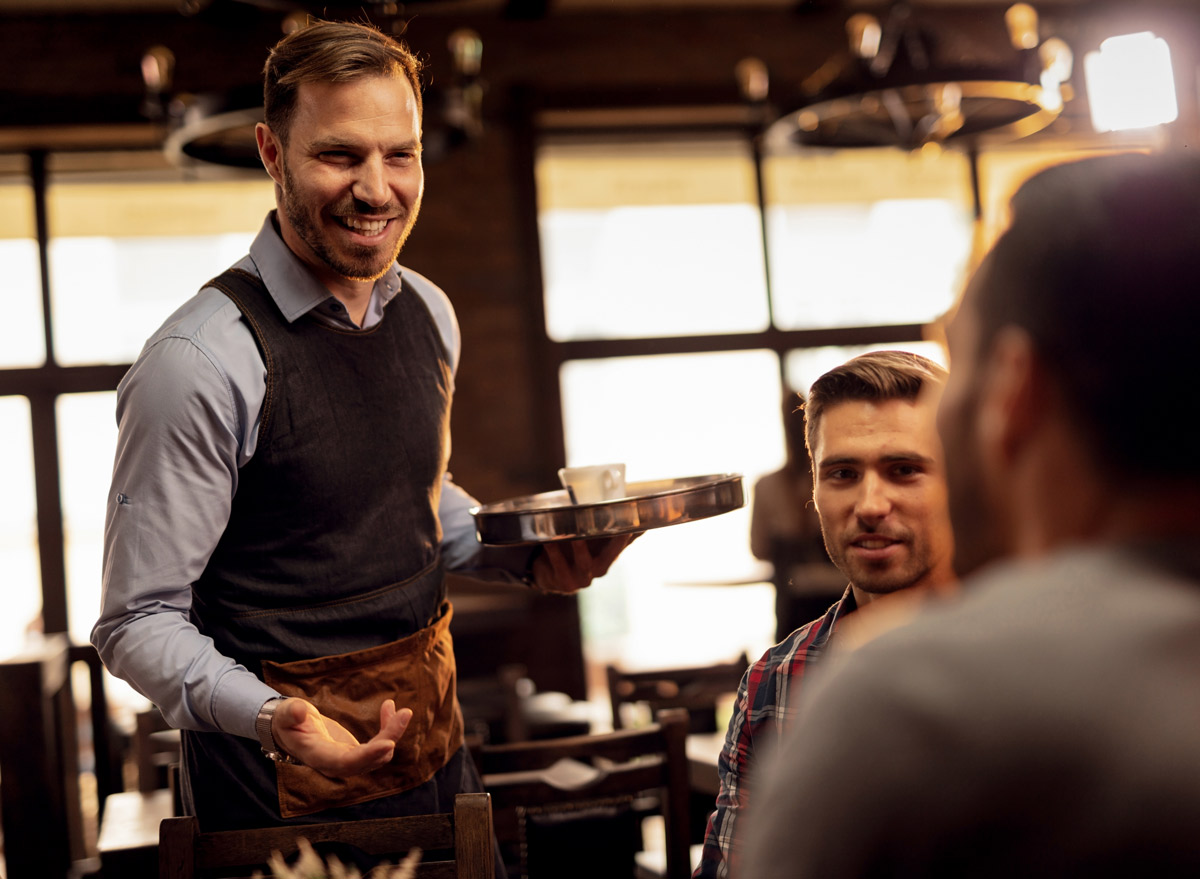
[[418, 672]]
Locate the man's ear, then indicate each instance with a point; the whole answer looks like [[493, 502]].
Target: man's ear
[[270, 150], [1013, 394]]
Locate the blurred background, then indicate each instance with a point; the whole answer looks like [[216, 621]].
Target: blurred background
[[656, 219]]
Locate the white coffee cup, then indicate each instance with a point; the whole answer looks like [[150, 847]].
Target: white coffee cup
[[590, 485]]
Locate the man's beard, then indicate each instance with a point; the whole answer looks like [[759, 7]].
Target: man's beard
[[885, 579], [355, 262]]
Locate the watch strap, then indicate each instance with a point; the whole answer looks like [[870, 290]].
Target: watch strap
[[266, 736]]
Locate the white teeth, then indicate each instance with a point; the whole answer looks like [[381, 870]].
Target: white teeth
[[371, 227], [874, 544]]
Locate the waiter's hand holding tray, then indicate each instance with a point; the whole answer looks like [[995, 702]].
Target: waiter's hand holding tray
[[597, 502]]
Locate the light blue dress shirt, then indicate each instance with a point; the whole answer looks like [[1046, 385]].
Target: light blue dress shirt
[[188, 416]]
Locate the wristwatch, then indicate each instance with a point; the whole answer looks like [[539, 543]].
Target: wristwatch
[[266, 738]]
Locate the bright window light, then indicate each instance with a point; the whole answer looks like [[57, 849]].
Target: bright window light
[[1130, 83]]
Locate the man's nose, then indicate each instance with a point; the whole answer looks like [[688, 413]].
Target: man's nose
[[874, 502], [370, 183]]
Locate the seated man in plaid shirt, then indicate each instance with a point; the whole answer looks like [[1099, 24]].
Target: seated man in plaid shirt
[[879, 487]]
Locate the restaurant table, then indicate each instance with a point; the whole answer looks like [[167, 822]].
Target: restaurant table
[[703, 751]]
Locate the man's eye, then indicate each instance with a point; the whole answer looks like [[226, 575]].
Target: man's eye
[[840, 474], [336, 156], [907, 471]]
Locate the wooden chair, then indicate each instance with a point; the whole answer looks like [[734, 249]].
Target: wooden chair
[[696, 689], [40, 803], [184, 852], [538, 788], [156, 747]]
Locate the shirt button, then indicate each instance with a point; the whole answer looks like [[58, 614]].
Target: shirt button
[[335, 306]]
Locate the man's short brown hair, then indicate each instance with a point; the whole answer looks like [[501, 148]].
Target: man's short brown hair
[[330, 51], [878, 375]]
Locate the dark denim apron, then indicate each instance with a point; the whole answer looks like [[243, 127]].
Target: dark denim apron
[[327, 581]]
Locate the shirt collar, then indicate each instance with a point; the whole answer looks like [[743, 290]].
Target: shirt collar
[[294, 288], [847, 605]]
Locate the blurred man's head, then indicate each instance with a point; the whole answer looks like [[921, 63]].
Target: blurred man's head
[[1072, 354], [878, 472]]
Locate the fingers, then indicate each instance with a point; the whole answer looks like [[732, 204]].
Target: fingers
[[609, 549], [392, 723], [325, 745], [573, 564], [554, 573]]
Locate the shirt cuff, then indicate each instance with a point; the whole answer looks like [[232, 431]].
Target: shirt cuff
[[236, 701]]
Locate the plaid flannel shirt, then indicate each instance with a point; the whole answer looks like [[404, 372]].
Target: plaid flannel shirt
[[766, 699]]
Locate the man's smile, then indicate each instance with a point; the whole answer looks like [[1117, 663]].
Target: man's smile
[[365, 225], [875, 547]]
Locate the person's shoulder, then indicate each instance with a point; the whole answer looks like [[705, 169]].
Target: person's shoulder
[[205, 334], [198, 317], [798, 646], [440, 308], [425, 288]]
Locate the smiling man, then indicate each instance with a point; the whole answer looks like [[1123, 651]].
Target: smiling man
[[281, 516], [880, 490]]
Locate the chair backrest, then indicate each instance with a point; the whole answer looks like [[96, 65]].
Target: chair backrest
[[156, 747], [696, 689], [42, 823], [577, 775], [184, 852]]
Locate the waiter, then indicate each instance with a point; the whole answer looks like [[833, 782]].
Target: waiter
[[281, 515]]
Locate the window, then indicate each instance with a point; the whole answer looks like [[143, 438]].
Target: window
[[87, 441], [135, 252], [866, 237], [128, 241], [669, 416], [22, 339], [664, 239], [21, 608], [650, 239]]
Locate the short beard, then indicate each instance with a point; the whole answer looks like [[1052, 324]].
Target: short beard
[[359, 263]]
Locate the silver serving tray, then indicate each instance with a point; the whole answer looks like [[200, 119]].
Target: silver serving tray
[[550, 516]]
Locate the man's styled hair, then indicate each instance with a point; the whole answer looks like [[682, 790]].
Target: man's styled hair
[[1100, 265], [330, 51], [878, 375]]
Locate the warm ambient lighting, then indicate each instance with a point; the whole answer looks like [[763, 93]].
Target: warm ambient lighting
[[1057, 61], [1130, 83], [1022, 22]]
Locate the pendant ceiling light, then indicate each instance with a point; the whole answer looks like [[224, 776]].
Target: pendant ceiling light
[[218, 128], [890, 85]]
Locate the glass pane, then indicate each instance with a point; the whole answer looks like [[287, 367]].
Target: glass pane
[[21, 597], [693, 593], [87, 431], [123, 257], [866, 237], [22, 336], [655, 239], [804, 366]]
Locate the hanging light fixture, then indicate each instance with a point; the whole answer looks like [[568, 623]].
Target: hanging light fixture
[[889, 88], [218, 129]]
